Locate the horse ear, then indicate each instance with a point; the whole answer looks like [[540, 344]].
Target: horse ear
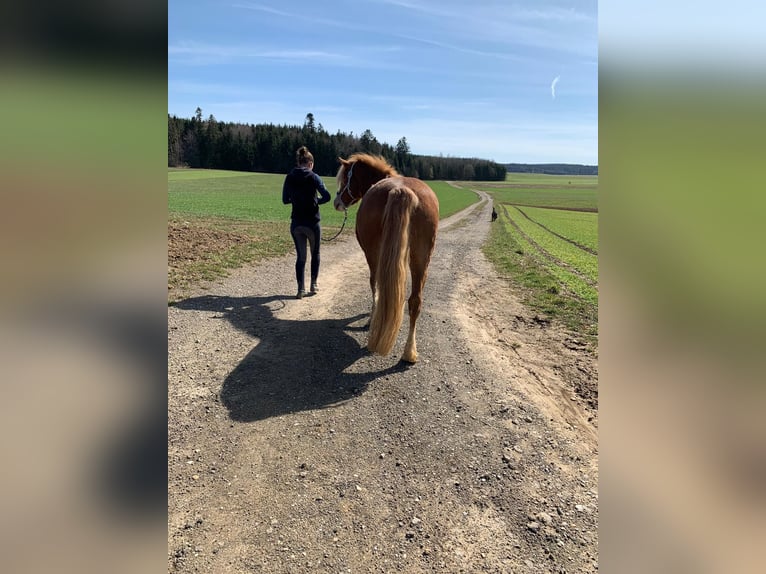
[[343, 161]]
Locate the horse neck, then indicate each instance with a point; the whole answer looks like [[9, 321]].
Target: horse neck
[[366, 177]]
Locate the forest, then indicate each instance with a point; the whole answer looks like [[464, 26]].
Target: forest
[[552, 168], [207, 143]]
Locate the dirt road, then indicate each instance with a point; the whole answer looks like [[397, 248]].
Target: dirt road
[[291, 449]]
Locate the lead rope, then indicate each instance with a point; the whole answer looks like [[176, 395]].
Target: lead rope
[[345, 216]]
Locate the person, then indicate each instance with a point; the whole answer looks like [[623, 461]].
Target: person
[[494, 213], [300, 190]]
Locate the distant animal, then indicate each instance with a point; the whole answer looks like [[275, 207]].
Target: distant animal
[[396, 225], [494, 214]]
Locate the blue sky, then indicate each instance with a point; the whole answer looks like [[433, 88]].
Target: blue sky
[[500, 80]]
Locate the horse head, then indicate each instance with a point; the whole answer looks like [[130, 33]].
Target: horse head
[[345, 197], [356, 175]]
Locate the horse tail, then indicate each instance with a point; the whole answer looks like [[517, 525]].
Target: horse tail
[[391, 275]]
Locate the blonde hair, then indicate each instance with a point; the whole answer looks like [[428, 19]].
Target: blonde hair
[[303, 156]]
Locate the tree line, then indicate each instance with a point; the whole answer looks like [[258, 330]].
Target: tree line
[[553, 168], [207, 143]]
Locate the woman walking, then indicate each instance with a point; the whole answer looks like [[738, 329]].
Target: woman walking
[[300, 189]]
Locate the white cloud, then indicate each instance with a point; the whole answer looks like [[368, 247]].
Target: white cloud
[[260, 8], [553, 86], [195, 53]]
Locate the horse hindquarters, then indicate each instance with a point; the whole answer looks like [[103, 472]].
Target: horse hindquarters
[[391, 273]]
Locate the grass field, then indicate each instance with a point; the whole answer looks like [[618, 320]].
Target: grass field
[[220, 220], [451, 198], [258, 196], [236, 195], [546, 243], [557, 180], [185, 174], [577, 226], [558, 247], [560, 198]]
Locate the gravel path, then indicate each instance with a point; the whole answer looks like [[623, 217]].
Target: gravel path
[[291, 449]]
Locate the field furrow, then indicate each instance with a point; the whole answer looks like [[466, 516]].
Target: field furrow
[[571, 278], [578, 228]]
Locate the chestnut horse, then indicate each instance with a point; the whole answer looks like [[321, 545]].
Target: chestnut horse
[[396, 221]]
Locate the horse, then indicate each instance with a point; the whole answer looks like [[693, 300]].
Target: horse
[[396, 224]]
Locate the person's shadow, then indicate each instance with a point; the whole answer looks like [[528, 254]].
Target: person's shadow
[[296, 365]]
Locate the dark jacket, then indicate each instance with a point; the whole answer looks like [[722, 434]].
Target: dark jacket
[[300, 189]]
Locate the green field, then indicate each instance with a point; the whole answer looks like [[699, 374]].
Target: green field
[[237, 195], [258, 197], [451, 198], [184, 174], [573, 198], [577, 226], [546, 243], [558, 247], [555, 180]]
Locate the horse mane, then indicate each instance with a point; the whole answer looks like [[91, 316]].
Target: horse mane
[[375, 162]]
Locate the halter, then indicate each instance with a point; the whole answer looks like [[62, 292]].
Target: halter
[[347, 188]]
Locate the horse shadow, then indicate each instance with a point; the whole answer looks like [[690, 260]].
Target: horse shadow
[[296, 365]]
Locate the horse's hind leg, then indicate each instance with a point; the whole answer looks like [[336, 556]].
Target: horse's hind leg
[[418, 270], [372, 289], [372, 263]]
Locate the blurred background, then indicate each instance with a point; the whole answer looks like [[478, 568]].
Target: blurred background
[[83, 297], [682, 315]]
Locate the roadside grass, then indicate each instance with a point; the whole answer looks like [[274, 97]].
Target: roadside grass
[[528, 246], [541, 284]]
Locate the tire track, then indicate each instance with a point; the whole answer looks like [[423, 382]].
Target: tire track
[[573, 242], [548, 256]]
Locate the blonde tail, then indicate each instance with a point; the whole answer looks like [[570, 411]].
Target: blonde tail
[[391, 276]]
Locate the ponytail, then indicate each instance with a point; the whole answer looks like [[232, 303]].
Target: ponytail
[[303, 156]]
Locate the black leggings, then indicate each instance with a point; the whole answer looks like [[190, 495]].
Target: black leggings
[[301, 234]]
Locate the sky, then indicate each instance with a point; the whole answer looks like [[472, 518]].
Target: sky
[[493, 79], [705, 34]]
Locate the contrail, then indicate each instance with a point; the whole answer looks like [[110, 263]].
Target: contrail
[[553, 86]]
